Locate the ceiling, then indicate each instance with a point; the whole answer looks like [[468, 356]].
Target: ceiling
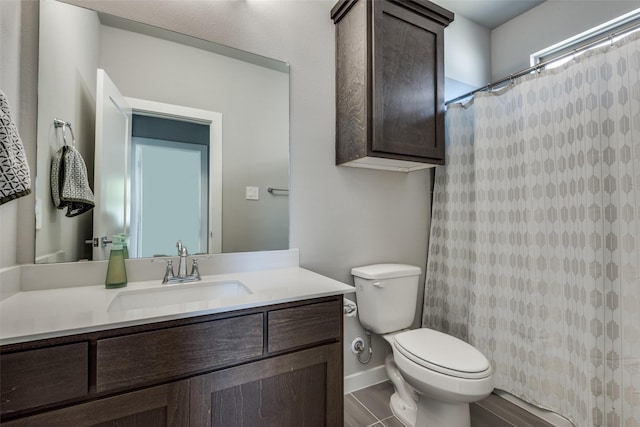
[[489, 13]]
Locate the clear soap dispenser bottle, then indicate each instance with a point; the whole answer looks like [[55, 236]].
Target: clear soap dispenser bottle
[[116, 269]]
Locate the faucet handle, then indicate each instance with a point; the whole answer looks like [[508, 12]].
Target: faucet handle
[[195, 273], [168, 274]]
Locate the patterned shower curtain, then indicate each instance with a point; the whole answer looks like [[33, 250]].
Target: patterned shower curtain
[[534, 254]]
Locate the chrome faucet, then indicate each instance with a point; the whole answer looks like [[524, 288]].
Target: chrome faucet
[[170, 277]]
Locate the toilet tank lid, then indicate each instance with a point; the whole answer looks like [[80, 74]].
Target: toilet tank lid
[[385, 271]]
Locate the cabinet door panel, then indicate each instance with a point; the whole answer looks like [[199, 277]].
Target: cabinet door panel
[[162, 406], [299, 389], [408, 80], [283, 400]]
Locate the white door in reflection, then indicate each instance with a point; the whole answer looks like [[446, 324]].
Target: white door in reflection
[[169, 200], [175, 179], [113, 136]]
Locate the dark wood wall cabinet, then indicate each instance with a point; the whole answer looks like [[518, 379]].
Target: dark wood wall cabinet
[[278, 365], [390, 83]]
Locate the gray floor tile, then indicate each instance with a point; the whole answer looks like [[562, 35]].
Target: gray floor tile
[[356, 415], [392, 422], [376, 399], [366, 407]]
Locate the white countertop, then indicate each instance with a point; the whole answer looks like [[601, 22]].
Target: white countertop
[[38, 314]]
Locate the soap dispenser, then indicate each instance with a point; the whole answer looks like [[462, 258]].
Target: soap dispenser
[[116, 269], [123, 241]]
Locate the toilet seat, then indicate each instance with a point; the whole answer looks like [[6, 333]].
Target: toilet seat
[[442, 353]]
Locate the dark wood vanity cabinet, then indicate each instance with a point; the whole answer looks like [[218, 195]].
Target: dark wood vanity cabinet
[[163, 405], [295, 389], [276, 365], [390, 83]]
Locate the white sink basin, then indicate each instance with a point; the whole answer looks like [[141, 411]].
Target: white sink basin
[[177, 294]]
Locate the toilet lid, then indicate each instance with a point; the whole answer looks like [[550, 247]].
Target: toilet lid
[[442, 353]]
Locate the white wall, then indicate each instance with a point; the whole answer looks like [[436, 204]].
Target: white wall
[[467, 52], [254, 102], [545, 25], [18, 77], [9, 83], [67, 85]]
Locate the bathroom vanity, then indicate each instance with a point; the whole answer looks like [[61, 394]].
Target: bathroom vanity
[[272, 357]]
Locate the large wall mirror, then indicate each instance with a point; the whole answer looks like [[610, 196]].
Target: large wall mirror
[[182, 139]]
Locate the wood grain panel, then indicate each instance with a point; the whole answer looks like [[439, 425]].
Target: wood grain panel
[[38, 377], [352, 85], [145, 358], [165, 405], [406, 78], [308, 324], [294, 398], [298, 389]]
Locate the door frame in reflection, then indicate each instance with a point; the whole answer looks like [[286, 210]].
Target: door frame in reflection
[[214, 121]]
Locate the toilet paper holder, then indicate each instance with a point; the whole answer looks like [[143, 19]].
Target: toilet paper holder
[[349, 308]]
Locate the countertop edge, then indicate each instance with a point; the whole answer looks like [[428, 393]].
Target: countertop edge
[[325, 287]]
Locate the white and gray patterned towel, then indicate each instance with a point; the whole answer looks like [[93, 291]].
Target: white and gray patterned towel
[[15, 178], [69, 184]]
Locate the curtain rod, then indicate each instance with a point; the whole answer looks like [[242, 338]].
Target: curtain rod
[[538, 67]]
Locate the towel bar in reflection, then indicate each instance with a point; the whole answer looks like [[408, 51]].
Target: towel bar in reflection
[[277, 190]]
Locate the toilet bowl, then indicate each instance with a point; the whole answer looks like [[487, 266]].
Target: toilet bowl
[[444, 375], [435, 375]]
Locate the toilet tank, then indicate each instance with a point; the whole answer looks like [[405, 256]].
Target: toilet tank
[[386, 296]]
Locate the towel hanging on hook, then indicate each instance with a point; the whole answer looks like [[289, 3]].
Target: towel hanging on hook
[[69, 181]]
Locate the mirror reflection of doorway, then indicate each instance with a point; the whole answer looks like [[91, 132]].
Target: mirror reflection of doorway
[[169, 183]]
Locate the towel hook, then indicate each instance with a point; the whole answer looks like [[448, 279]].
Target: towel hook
[[57, 123]]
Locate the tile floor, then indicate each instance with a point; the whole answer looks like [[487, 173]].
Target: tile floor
[[370, 407]]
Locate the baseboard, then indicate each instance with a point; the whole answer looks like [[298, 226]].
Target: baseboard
[[364, 379]]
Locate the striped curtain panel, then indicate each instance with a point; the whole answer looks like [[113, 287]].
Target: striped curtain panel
[[534, 254]]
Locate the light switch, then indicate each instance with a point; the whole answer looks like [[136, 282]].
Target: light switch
[[252, 193]]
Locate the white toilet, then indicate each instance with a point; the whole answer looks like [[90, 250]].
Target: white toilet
[[435, 375]]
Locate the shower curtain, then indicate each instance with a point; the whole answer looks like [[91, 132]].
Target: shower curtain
[[534, 253]]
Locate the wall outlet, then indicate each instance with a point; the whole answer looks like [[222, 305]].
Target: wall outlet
[[252, 193]]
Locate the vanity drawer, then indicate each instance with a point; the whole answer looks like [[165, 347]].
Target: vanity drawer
[[38, 377], [308, 324], [148, 357]]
